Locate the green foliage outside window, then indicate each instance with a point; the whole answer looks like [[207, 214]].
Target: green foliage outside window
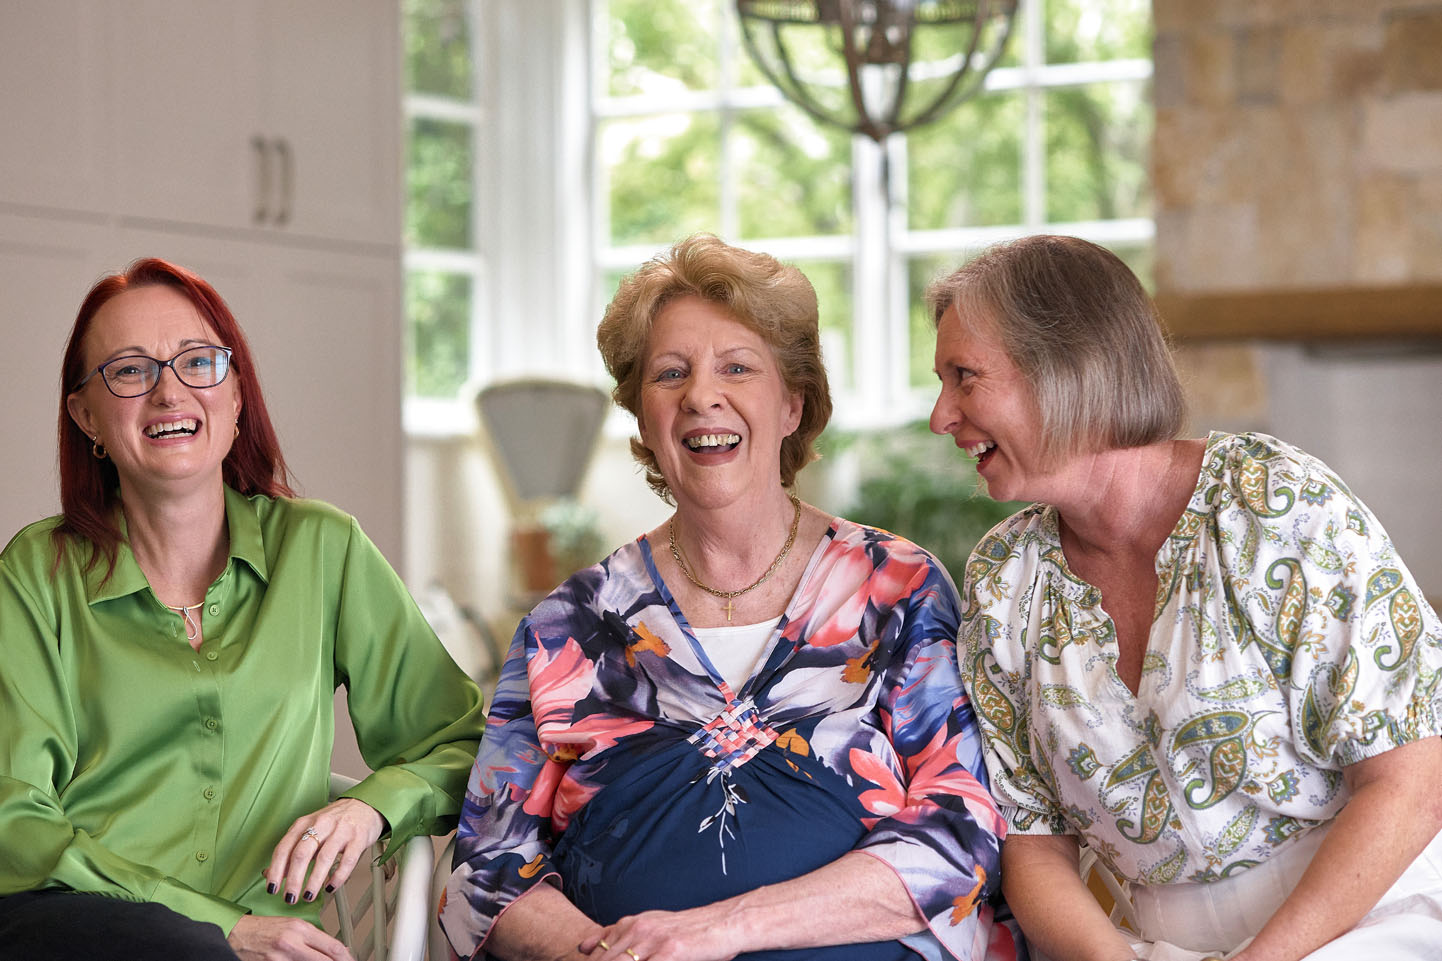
[[965, 169], [439, 307], [793, 176], [1078, 30], [920, 486], [659, 46], [438, 184], [664, 182], [438, 48]]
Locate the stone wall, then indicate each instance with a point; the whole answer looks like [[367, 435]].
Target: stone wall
[[1299, 145]]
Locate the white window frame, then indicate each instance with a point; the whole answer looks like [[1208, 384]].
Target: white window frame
[[540, 199], [881, 243]]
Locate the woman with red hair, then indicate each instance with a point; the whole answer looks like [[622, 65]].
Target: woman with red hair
[[173, 642]]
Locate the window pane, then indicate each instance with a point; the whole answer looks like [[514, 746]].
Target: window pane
[[438, 180], [808, 57], [938, 51], [921, 271], [664, 179], [1014, 53], [1098, 141], [438, 48], [793, 175], [965, 170], [832, 281], [439, 307], [1081, 30], [662, 46]]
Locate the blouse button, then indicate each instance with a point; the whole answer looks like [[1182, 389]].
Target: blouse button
[[212, 723], [209, 793], [201, 856], [211, 655], [214, 610]]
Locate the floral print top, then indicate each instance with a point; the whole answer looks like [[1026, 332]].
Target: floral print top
[[619, 766], [1288, 641]]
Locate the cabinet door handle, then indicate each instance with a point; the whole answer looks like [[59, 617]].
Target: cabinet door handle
[[262, 167], [287, 180]]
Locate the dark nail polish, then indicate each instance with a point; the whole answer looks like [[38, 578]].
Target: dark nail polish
[[290, 899], [310, 895], [329, 888], [270, 888]]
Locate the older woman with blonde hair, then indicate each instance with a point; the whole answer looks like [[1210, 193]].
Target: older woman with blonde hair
[[742, 734], [1202, 658]]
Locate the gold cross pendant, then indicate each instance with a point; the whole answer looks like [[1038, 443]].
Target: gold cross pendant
[[730, 606]]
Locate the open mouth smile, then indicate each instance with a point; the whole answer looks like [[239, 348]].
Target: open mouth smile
[[980, 450], [712, 443], [175, 428]]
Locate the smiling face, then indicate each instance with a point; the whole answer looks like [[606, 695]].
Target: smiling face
[[986, 405], [714, 408], [175, 433]]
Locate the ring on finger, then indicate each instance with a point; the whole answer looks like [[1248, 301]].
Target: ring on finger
[[633, 954], [603, 945], [310, 833]]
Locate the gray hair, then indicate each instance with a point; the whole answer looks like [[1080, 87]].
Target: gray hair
[[1084, 334]]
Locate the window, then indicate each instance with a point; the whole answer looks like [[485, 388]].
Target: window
[[675, 130], [444, 270], [689, 136]]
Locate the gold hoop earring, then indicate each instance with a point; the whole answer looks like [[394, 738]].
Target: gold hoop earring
[[97, 448], [237, 431]]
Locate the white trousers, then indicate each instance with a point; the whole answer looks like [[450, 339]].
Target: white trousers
[[1188, 922]]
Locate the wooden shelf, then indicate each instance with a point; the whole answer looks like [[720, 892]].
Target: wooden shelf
[[1411, 312]]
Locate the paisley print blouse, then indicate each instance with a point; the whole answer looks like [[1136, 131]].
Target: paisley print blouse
[[1288, 641], [618, 765]]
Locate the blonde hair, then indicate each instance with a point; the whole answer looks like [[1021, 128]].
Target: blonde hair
[[1084, 334], [772, 299]]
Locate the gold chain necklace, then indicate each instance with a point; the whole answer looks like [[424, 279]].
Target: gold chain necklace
[[730, 596]]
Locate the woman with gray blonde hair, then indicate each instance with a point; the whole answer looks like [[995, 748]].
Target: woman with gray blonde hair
[[743, 734], [1200, 657]]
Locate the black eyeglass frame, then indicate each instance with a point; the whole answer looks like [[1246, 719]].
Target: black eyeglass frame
[[160, 366]]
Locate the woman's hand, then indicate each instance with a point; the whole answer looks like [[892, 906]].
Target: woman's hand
[[326, 844], [260, 938], [699, 934], [1042, 882]]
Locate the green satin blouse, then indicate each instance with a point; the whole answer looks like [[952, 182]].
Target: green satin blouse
[[134, 766]]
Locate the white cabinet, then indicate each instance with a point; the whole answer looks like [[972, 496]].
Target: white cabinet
[[331, 109], [46, 265], [185, 90], [53, 121], [279, 116]]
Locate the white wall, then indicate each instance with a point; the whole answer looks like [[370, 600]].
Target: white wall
[[1377, 421]]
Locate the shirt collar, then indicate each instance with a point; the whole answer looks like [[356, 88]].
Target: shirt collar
[[246, 544]]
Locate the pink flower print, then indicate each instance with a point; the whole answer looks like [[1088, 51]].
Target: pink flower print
[[896, 579], [888, 797], [558, 680]]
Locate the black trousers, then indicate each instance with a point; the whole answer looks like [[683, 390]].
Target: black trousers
[[65, 926]]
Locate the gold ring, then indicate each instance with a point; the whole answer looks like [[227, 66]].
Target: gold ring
[[633, 954], [310, 833], [603, 945]]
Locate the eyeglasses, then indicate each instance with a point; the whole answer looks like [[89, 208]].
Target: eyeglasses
[[136, 374]]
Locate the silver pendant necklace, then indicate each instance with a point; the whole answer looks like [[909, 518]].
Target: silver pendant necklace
[[192, 625]]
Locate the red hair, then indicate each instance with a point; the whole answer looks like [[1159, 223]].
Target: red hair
[[89, 486]]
